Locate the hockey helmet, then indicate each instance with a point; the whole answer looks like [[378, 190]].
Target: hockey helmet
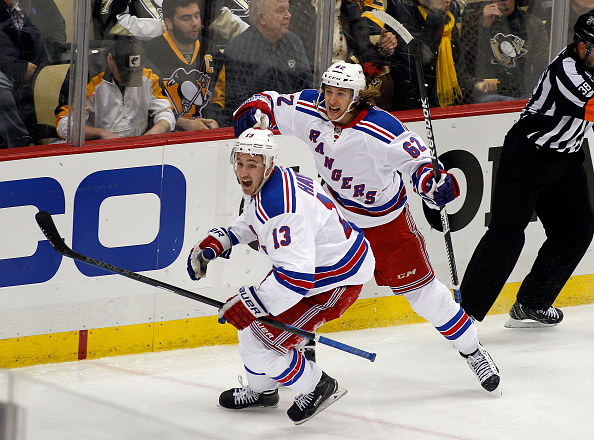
[[255, 141], [583, 30], [346, 76]]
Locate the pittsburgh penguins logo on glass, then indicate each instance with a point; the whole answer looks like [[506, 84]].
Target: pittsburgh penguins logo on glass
[[188, 91], [506, 49]]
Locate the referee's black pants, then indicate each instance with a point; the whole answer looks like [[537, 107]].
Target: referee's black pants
[[554, 185]]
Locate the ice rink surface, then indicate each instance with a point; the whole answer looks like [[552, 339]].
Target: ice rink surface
[[418, 388]]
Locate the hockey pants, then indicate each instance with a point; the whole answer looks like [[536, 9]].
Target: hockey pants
[[402, 262], [270, 355]]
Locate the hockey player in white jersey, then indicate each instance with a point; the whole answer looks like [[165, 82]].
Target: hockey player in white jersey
[[319, 263], [360, 152]]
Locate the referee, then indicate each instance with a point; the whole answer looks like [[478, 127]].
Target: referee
[[541, 170]]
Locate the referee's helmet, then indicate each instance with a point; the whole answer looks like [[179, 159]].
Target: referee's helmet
[[583, 30]]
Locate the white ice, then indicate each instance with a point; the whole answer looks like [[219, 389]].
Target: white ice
[[418, 388]]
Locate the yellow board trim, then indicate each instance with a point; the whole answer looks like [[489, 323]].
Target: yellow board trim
[[196, 332]]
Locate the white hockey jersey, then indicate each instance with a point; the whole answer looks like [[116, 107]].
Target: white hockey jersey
[[311, 247], [359, 163]]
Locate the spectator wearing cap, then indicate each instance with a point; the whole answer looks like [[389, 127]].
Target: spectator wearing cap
[[122, 96]]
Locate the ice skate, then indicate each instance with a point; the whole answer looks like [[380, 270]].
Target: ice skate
[[245, 397], [482, 365], [308, 405], [524, 317]]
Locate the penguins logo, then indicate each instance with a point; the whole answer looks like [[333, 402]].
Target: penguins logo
[[188, 89], [506, 49]]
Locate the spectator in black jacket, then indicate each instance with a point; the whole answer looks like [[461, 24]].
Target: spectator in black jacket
[[433, 25], [21, 54], [356, 38], [505, 50], [266, 56]]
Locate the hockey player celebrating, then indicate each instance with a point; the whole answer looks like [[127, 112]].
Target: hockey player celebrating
[[320, 262], [360, 152]]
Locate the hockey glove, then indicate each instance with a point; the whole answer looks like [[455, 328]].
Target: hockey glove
[[250, 114], [435, 194], [242, 309], [218, 243], [447, 189]]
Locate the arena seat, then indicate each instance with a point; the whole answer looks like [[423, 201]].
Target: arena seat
[[46, 91]]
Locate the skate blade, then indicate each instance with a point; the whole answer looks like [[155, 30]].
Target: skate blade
[[333, 398], [526, 323], [249, 408]]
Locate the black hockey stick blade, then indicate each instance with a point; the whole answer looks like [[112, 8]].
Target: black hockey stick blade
[[48, 227]]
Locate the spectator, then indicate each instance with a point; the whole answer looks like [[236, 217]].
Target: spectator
[[138, 18], [505, 50], [354, 30], [186, 66], [226, 20], [265, 56], [46, 16], [120, 95], [21, 55], [432, 25]]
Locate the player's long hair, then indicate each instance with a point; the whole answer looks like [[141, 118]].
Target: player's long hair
[[368, 95]]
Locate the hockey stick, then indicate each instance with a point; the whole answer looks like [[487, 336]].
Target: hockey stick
[[445, 223], [46, 223]]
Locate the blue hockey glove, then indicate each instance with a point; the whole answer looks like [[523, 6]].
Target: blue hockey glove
[[435, 194], [447, 189], [250, 114]]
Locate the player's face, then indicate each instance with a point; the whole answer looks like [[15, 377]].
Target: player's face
[[275, 20], [250, 172], [186, 24], [337, 101]]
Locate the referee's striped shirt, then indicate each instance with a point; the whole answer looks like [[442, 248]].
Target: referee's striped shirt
[[562, 106]]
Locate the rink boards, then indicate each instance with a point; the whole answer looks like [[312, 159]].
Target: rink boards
[[142, 206]]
